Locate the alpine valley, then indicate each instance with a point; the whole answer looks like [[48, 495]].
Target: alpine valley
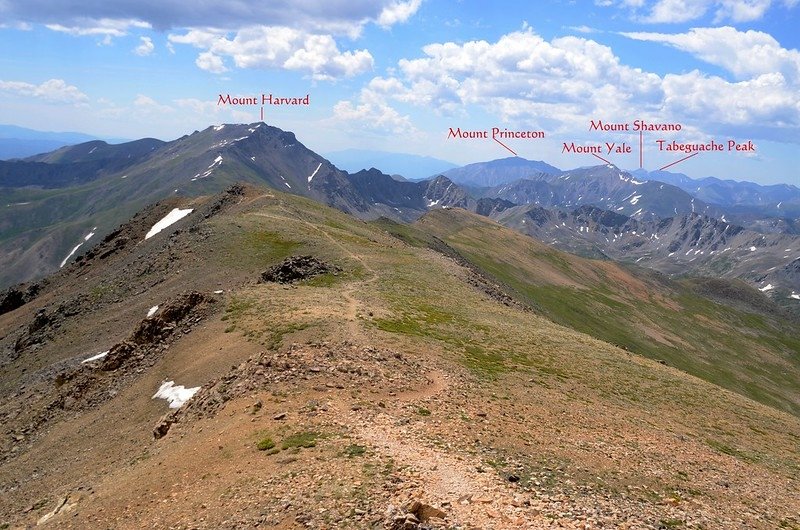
[[228, 331]]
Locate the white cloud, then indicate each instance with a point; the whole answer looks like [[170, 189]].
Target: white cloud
[[583, 29], [677, 11], [105, 27], [146, 104], [558, 85], [741, 10], [276, 47], [398, 11], [764, 107], [335, 17], [568, 78], [372, 110], [210, 63], [145, 47], [743, 53], [52, 90]]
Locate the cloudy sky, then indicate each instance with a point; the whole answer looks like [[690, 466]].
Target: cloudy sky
[[395, 75]]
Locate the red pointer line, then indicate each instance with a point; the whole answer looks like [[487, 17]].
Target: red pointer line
[[603, 159], [504, 145], [679, 161], [641, 153]]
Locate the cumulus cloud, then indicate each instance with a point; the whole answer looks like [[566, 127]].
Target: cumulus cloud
[[276, 47], [305, 36], [743, 53], [52, 90], [558, 85], [372, 111], [677, 11], [568, 78], [210, 63], [398, 12], [145, 47]]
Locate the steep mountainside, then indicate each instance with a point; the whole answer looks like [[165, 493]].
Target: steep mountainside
[[606, 187], [642, 311], [407, 377], [55, 201], [693, 243]]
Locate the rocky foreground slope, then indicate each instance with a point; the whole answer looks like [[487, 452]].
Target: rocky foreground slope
[[398, 378]]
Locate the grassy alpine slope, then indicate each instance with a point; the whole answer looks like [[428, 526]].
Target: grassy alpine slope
[[334, 401], [756, 354]]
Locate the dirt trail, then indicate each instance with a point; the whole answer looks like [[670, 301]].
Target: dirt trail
[[437, 476], [440, 475], [352, 303]]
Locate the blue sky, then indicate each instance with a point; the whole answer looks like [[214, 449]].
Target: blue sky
[[395, 75]]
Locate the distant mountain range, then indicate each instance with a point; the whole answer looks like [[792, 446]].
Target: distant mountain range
[[19, 142], [64, 198], [412, 167], [52, 201]]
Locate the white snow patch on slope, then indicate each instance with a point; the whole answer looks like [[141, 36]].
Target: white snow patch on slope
[[87, 237], [219, 127], [152, 311], [176, 395], [171, 218], [752, 249], [635, 199], [768, 287], [314, 173], [794, 295], [70, 254], [95, 357], [431, 203]]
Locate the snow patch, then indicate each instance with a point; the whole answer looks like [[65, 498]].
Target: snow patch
[[219, 291], [431, 203], [176, 395], [219, 127], [314, 173], [171, 218], [768, 287], [70, 255], [795, 296], [152, 311], [95, 357], [752, 249]]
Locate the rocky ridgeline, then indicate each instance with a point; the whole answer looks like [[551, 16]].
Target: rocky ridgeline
[[330, 365], [80, 386]]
